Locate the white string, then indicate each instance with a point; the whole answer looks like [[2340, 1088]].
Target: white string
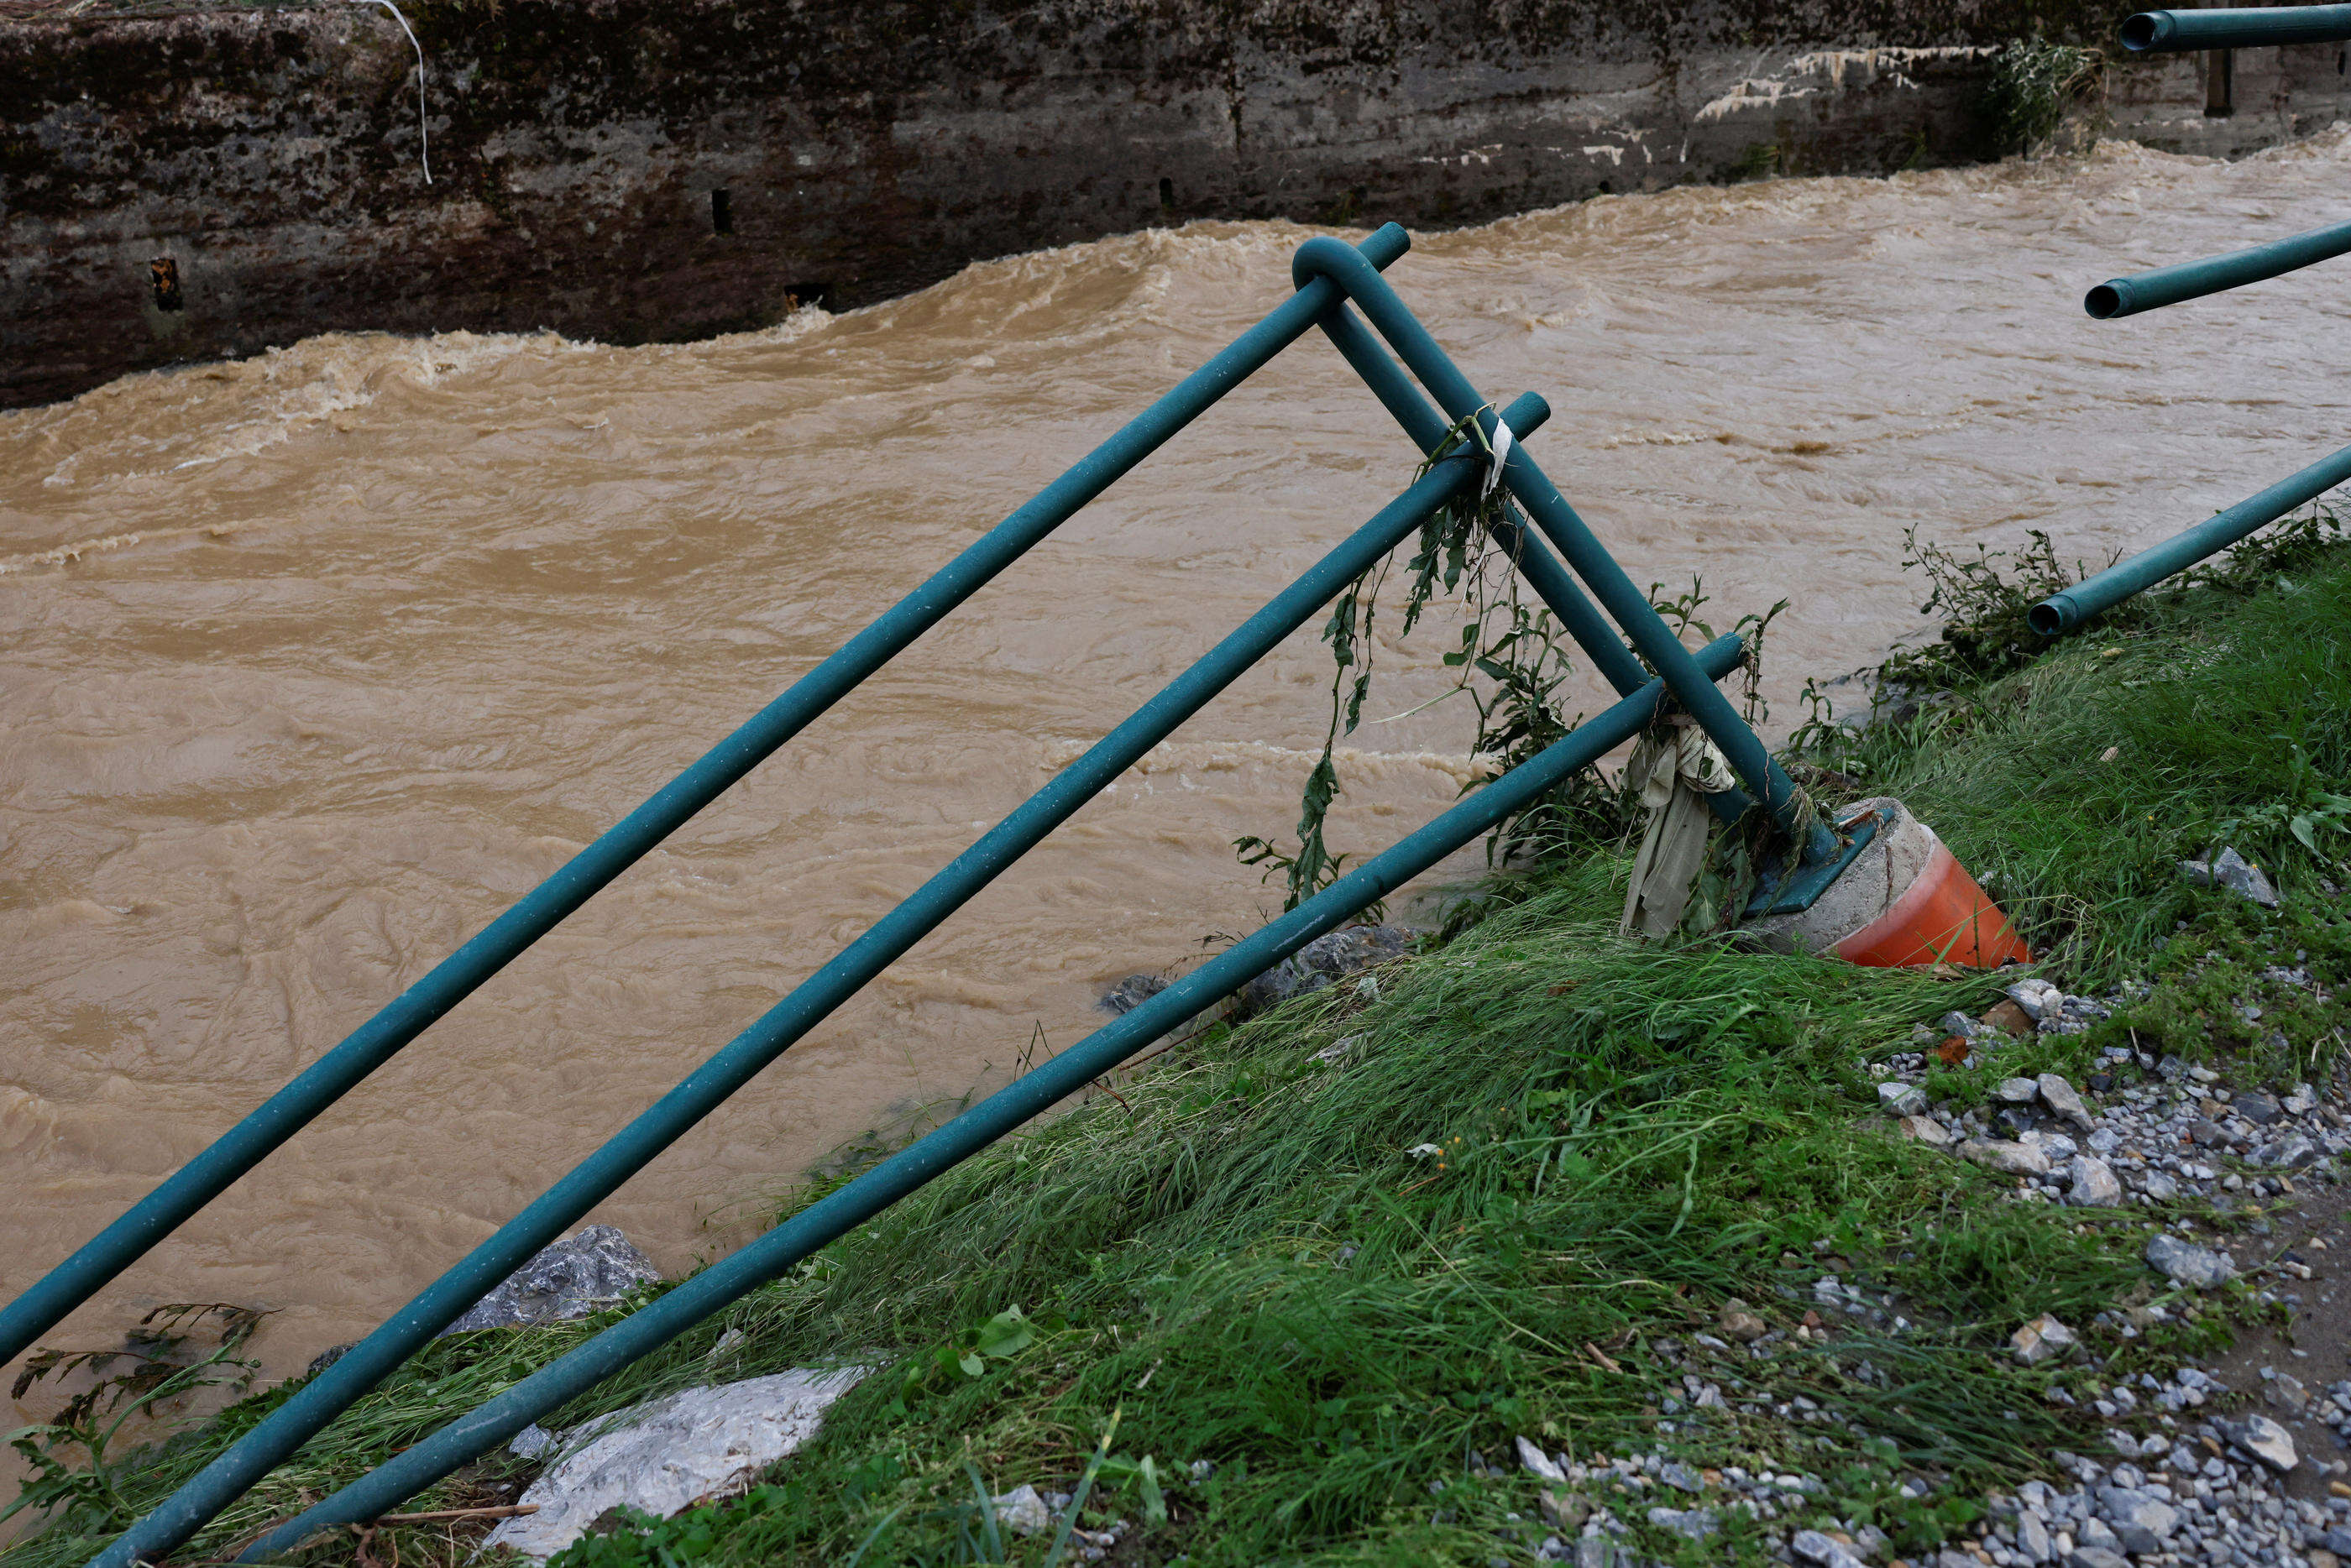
[[423, 149]]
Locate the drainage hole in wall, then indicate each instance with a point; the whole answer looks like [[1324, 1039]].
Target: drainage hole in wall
[[164, 275], [798, 294], [721, 212], [1166, 194]]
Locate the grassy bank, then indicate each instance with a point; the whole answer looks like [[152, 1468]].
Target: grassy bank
[[1317, 1340]]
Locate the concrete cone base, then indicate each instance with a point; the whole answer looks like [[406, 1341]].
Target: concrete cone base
[[1905, 902]]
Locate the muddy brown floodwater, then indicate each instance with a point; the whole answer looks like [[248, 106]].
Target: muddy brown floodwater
[[315, 662]]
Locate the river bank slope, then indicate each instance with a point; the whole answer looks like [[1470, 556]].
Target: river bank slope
[[1350, 1278]]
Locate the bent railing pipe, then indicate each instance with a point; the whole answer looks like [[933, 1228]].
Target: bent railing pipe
[[2062, 612], [1529, 556], [1535, 562], [1323, 257], [799, 1237], [1542, 569], [450, 982], [359, 1369], [2119, 297], [2168, 32]]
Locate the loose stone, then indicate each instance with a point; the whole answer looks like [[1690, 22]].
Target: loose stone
[[2234, 872], [2037, 998], [2257, 1108], [2063, 1102], [2264, 1440], [661, 1456], [2092, 1184], [2010, 1019], [2009, 1158], [1824, 1550], [1926, 1130], [563, 1280], [2185, 1263], [1539, 1463], [2042, 1339]]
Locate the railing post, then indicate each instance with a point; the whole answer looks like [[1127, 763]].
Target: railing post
[[2219, 75]]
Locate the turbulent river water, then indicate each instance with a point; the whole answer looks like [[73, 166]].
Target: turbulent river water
[[315, 661]]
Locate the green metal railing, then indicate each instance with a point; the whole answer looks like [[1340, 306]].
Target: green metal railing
[[2119, 297], [1328, 274], [2158, 31], [2172, 32], [2062, 612], [775, 1254]]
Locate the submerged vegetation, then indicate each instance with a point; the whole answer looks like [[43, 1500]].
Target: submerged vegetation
[[1294, 1294]]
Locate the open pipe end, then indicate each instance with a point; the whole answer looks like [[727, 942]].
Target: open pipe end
[[2106, 301], [2148, 30], [2050, 616]]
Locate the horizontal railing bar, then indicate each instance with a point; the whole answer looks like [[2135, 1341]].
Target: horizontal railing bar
[[1325, 257], [2164, 32], [710, 1085], [450, 982], [932, 1156], [2120, 296], [2062, 612]]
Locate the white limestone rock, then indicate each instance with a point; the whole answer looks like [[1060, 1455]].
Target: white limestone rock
[[2042, 1339], [2186, 1263], [667, 1453], [2008, 1159], [2092, 1184]]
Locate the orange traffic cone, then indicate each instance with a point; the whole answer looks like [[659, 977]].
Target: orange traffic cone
[[1941, 918], [1906, 902]]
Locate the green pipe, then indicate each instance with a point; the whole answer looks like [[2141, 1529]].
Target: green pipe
[[374, 1043], [2064, 612], [799, 1237], [1326, 257], [1527, 555], [708, 1086], [2168, 32], [1541, 568], [2120, 296]]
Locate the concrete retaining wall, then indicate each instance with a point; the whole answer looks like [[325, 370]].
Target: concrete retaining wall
[[211, 183]]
